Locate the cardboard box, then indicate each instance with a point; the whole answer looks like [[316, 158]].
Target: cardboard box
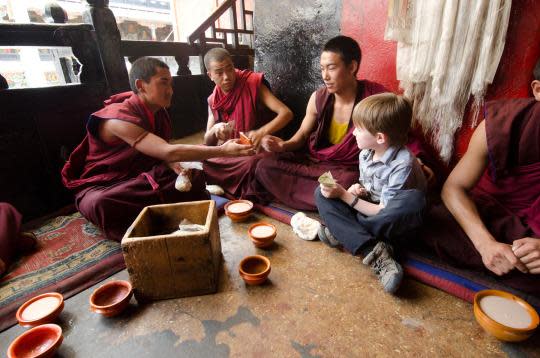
[[164, 265]]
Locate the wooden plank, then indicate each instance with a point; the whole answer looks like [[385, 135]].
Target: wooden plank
[[195, 35], [153, 48]]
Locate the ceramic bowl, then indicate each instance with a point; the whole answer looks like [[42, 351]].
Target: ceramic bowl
[[237, 212], [254, 270], [262, 234], [244, 139], [499, 330], [41, 341], [111, 298], [40, 309]]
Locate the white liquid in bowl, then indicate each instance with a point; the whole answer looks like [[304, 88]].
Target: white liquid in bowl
[[262, 231], [40, 308], [238, 208], [505, 311]]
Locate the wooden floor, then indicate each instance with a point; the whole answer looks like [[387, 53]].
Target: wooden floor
[[319, 302]]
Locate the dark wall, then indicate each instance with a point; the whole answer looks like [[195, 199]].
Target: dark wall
[[289, 36]]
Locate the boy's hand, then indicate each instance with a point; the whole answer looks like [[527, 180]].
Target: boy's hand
[[358, 190], [332, 192]]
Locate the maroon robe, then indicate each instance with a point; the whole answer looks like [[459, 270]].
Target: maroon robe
[[507, 196], [291, 178], [12, 243], [241, 105], [114, 182]]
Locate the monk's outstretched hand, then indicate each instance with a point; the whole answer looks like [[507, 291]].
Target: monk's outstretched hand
[[232, 148], [274, 144], [500, 259], [527, 251], [256, 137]]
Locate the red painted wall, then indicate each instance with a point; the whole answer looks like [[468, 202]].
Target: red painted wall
[[365, 21]]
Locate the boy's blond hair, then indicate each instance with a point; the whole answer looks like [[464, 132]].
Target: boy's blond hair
[[386, 113]]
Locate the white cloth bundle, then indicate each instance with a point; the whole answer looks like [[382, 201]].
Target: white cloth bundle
[[183, 183], [305, 227]]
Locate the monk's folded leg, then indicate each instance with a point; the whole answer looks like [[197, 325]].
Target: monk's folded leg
[[10, 225], [293, 182], [235, 175], [115, 207]]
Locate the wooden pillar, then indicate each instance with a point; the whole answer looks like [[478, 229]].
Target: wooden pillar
[[109, 42]]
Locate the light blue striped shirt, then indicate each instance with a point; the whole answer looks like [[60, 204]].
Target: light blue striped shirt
[[396, 170]]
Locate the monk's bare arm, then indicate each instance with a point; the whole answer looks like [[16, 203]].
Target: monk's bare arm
[[210, 135], [298, 140], [496, 256], [283, 114], [154, 146]]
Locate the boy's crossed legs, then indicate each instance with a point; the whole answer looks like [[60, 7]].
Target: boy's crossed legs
[[372, 236]]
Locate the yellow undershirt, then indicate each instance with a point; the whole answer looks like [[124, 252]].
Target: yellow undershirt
[[337, 131]]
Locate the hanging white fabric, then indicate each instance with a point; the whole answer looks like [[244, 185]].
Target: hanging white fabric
[[447, 51]]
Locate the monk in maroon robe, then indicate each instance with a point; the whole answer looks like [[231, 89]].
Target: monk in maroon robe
[[241, 102], [290, 175], [490, 220], [13, 241], [125, 161]]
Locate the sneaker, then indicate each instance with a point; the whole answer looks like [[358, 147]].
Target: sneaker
[[326, 236], [388, 270]]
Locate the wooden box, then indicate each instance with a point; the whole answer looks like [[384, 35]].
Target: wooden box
[[164, 265]]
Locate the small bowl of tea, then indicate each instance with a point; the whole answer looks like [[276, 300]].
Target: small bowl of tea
[[40, 309], [238, 210], [262, 234]]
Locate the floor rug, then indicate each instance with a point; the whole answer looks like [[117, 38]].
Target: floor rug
[[71, 256]]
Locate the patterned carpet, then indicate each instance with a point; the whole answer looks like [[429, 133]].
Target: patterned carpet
[[71, 256]]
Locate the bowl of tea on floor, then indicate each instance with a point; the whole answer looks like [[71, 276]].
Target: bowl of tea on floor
[[238, 210], [262, 234], [504, 315], [40, 309]]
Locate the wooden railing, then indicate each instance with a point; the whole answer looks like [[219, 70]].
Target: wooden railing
[[228, 37]]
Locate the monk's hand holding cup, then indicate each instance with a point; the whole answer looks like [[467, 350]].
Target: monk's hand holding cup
[[233, 148], [274, 144], [256, 137], [527, 250]]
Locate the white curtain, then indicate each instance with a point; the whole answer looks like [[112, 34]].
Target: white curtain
[[448, 50]]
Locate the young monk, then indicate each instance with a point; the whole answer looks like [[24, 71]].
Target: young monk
[[490, 220], [125, 161], [239, 103], [373, 215], [326, 131]]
